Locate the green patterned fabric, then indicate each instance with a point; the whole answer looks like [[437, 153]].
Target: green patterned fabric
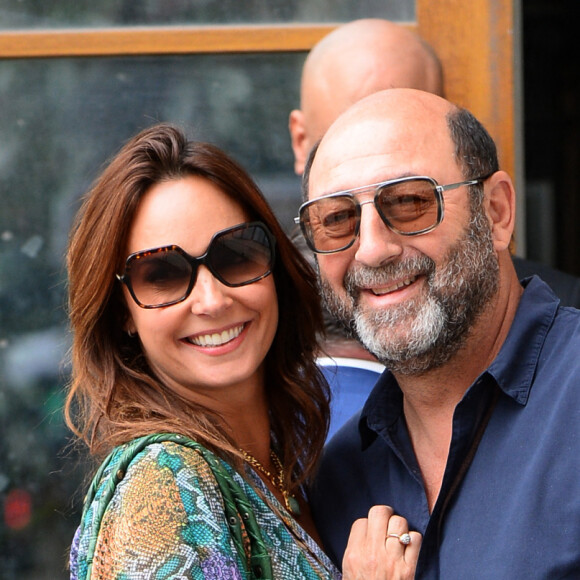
[[164, 507]]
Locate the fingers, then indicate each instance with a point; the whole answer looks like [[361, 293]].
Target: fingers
[[365, 546], [378, 521], [398, 538], [378, 550], [411, 554]]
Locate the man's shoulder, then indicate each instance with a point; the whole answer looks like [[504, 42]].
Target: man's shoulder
[[565, 286], [347, 438]]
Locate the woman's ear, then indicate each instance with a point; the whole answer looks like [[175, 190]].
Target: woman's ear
[[300, 146], [500, 204], [129, 326]]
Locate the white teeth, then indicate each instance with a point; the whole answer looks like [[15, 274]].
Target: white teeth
[[394, 287], [218, 338]]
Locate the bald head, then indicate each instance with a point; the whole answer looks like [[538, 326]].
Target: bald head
[[398, 129], [396, 133], [352, 62]]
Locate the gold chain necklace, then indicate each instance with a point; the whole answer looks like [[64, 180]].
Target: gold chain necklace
[[277, 480]]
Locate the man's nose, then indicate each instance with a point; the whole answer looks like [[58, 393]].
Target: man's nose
[[377, 243]]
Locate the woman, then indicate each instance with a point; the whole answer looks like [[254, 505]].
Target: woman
[[194, 325]]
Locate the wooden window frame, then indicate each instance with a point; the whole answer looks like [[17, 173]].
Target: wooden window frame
[[162, 40]]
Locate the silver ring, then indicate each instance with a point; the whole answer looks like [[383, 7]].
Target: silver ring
[[405, 538]]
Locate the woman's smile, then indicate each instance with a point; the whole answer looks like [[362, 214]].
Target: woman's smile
[[216, 338]]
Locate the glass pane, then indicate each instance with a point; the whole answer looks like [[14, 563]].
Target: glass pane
[[65, 13], [62, 119]]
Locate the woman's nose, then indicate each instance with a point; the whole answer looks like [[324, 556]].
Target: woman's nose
[[209, 296]]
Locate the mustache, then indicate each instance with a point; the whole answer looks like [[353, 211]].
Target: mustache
[[364, 276]]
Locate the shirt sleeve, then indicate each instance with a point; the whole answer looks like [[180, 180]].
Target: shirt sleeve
[[166, 520]]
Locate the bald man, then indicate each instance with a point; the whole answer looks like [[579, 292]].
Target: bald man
[[369, 55], [353, 61], [473, 432], [356, 60]]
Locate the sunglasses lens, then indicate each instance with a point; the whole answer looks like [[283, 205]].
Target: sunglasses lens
[[408, 206], [241, 255], [330, 224], [164, 276], [159, 277]]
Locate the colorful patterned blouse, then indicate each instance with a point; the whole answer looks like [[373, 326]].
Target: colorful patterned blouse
[[166, 519]]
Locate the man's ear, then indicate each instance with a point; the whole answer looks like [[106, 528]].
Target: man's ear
[[500, 202], [297, 128]]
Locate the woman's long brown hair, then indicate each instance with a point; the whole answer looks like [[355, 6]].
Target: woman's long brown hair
[[114, 396]]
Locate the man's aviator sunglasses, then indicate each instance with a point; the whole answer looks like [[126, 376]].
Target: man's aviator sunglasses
[[163, 276], [409, 206]]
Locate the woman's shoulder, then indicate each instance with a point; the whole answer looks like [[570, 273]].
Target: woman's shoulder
[[155, 497], [161, 472], [157, 461]]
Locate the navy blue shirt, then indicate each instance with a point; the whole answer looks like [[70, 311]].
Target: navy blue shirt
[[515, 511]]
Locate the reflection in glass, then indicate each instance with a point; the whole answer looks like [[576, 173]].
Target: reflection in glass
[[72, 13]]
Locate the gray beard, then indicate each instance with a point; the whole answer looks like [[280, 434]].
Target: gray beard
[[425, 332]]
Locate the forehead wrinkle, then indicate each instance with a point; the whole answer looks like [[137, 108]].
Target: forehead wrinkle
[[403, 128], [364, 188], [334, 175]]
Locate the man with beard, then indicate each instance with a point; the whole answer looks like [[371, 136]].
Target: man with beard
[[355, 60], [473, 432]]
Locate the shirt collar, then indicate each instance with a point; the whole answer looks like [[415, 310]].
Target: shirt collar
[[515, 366], [513, 369]]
